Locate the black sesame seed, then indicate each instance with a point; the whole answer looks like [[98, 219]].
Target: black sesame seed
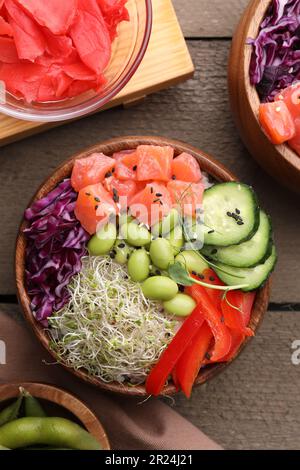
[[113, 170], [87, 194], [208, 356], [201, 276], [158, 194], [156, 200], [212, 279], [121, 245], [151, 190], [128, 256], [97, 199], [112, 254], [173, 177], [108, 174], [157, 272], [161, 203], [240, 222], [134, 168], [181, 288], [115, 195], [214, 251], [194, 273], [96, 207], [211, 231], [237, 211], [229, 214]]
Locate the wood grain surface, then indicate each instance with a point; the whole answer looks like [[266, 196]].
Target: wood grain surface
[[255, 403], [209, 18]]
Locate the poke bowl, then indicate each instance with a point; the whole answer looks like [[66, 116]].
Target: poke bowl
[[113, 307], [263, 77], [78, 55], [29, 406]]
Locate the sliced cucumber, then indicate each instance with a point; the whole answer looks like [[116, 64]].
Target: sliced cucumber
[[248, 254], [254, 277], [231, 214]]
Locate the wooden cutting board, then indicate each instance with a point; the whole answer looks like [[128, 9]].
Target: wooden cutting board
[[167, 62]]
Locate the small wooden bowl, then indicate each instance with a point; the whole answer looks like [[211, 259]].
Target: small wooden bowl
[[207, 164], [280, 161], [58, 403]]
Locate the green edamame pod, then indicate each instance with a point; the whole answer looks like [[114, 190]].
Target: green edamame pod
[[139, 265], [181, 305], [161, 253], [11, 412], [176, 239], [136, 234], [101, 243], [33, 408], [159, 288], [53, 432], [122, 251], [192, 261], [167, 224]]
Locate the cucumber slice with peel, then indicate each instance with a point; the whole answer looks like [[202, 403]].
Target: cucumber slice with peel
[[254, 277], [248, 254], [231, 214]]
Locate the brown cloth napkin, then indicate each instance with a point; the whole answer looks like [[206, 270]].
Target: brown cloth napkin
[[129, 424]]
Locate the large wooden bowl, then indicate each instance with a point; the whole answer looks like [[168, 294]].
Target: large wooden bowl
[[280, 161], [212, 167], [59, 403]]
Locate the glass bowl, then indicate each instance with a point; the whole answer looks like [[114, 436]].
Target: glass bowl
[[128, 50]]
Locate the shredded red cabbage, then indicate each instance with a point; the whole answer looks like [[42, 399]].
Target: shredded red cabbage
[[275, 62], [56, 242]]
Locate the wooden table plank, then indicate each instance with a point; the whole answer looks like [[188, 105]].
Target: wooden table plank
[[209, 18], [197, 112], [255, 403]]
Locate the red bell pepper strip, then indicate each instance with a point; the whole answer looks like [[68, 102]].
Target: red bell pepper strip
[[210, 277], [161, 371], [237, 339], [236, 313], [189, 364], [213, 316]]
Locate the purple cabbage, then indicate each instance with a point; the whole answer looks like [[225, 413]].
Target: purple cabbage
[[56, 242], [275, 61]]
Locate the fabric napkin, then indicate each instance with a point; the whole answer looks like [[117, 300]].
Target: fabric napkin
[[130, 424]]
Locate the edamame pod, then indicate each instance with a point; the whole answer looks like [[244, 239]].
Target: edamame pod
[[167, 224], [159, 288], [33, 408], [139, 265], [11, 412], [122, 251], [181, 305], [54, 432], [192, 261], [176, 239], [136, 234], [103, 241], [161, 253]]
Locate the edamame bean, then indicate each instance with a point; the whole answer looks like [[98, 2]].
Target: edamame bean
[[176, 239], [167, 224], [161, 253], [139, 265], [122, 251], [136, 234], [101, 243], [54, 432], [11, 412], [192, 261], [33, 408], [159, 288], [181, 305]]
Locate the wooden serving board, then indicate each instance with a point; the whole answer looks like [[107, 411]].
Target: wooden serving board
[[166, 63]]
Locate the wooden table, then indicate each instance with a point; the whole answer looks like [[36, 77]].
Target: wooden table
[[256, 402]]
